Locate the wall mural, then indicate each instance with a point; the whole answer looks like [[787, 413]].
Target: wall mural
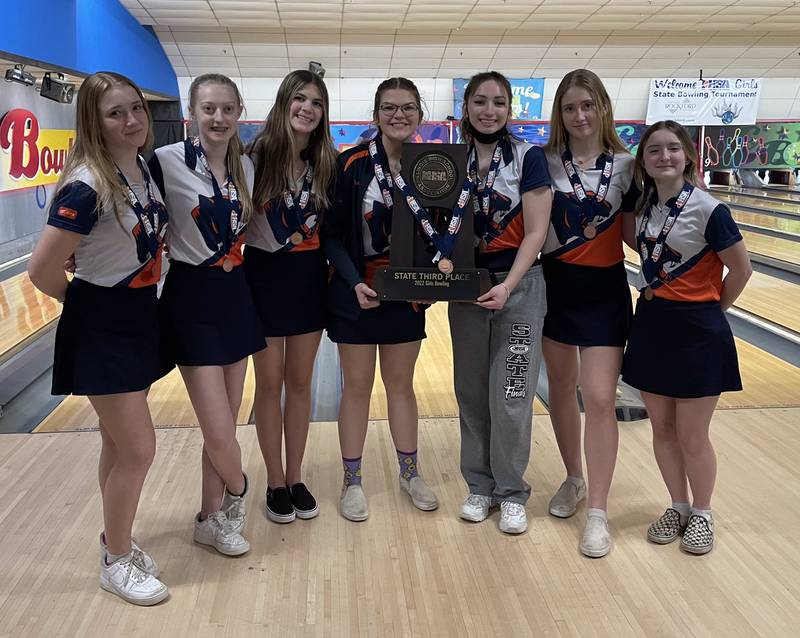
[[761, 145]]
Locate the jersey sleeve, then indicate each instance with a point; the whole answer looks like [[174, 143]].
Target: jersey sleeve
[[74, 208], [156, 173], [721, 231], [534, 170], [630, 198]]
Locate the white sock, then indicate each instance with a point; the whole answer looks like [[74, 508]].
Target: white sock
[[706, 514], [594, 511], [683, 509], [577, 481]]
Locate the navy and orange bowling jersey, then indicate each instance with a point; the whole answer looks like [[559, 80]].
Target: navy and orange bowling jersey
[[270, 229], [115, 248], [688, 265], [197, 230], [523, 168], [565, 238]]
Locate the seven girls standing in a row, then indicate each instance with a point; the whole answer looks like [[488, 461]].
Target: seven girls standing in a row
[[303, 208]]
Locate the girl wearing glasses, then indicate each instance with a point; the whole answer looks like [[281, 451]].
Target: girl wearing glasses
[[288, 274], [357, 241]]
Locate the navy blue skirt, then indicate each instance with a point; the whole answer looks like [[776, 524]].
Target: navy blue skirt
[[681, 349], [108, 341], [391, 322], [586, 305], [289, 290], [208, 317]]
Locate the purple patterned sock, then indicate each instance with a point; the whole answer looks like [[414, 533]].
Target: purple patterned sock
[[408, 464], [352, 471]]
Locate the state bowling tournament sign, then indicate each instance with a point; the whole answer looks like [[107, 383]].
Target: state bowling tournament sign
[[699, 102]]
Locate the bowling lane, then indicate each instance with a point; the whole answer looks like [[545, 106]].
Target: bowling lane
[[788, 207], [769, 193], [767, 221], [23, 311], [783, 249]]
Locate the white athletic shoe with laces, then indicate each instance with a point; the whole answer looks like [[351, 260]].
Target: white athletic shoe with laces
[[235, 508], [148, 562], [221, 533], [127, 578], [475, 508], [513, 519]]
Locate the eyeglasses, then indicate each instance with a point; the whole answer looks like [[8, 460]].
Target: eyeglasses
[[389, 110]]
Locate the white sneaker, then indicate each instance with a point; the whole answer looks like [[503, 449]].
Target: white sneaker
[[148, 562], [222, 534], [421, 495], [565, 500], [234, 507], [596, 541], [353, 503], [513, 519], [475, 508], [127, 578]]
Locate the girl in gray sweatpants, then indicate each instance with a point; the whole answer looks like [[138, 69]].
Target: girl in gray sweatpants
[[497, 339]]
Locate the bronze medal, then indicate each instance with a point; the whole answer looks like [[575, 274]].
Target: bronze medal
[[648, 293], [445, 265], [296, 238], [227, 265], [589, 231]]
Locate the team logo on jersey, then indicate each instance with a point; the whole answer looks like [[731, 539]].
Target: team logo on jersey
[[663, 265], [576, 215], [518, 361], [379, 222]]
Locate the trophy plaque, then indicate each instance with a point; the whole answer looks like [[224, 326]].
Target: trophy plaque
[[435, 175]]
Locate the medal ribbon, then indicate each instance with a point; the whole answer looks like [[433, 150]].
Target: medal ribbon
[[295, 206], [148, 219], [230, 208], [444, 242], [669, 222], [481, 203], [577, 186]]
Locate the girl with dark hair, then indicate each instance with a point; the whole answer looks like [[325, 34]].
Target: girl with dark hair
[[357, 241], [288, 275], [109, 214], [588, 301], [681, 354], [207, 310], [497, 340]]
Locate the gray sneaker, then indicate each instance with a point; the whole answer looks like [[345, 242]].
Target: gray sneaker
[[353, 503], [421, 495], [565, 501]]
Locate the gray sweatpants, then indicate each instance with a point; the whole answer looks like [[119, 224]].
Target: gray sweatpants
[[496, 359]]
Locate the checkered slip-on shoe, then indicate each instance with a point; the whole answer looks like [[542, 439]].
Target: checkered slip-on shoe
[[699, 535], [667, 528]]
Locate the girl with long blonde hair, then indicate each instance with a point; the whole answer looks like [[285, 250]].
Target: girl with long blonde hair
[[207, 309], [107, 214], [588, 302]]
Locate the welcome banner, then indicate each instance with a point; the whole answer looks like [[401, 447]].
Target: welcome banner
[[713, 101]]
